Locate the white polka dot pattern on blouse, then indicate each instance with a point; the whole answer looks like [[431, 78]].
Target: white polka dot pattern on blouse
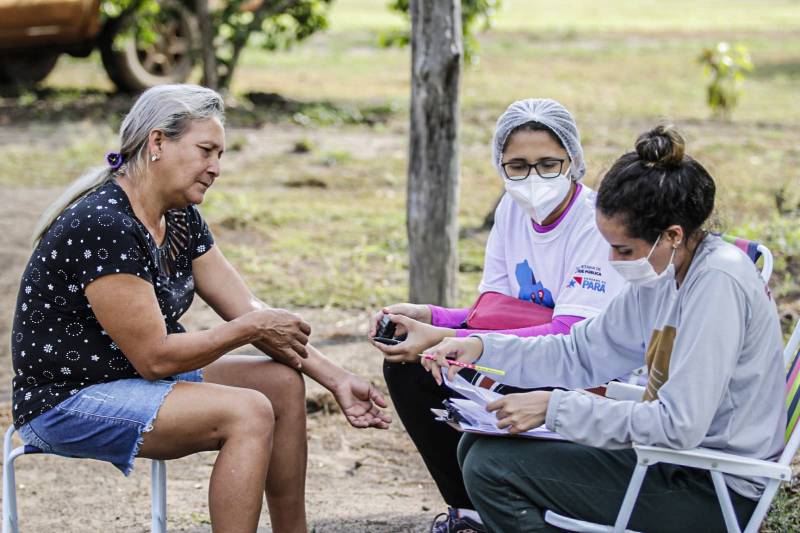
[[56, 339]]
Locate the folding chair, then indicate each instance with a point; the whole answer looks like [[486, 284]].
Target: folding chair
[[158, 487], [714, 461], [755, 251]]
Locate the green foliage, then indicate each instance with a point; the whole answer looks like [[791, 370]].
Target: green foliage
[[272, 26], [726, 66], [475, 15], [783, 516], [269, 24]]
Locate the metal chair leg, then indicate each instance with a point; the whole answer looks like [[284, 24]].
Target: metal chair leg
[[629, 501], [158, 494], [9, 486], [10, 522]]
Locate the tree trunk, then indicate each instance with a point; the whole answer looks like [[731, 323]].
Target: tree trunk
[[209, 56], [433, 169]]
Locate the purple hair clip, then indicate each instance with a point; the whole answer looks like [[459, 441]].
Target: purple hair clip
[[114, 160]]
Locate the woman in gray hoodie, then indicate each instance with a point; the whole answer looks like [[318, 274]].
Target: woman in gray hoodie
[[695, 311]]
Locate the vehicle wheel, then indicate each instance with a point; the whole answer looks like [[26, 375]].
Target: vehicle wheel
[[26, 69], [134, 64]]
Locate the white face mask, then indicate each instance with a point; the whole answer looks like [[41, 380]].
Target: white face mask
[[538, 196], [640, 272]]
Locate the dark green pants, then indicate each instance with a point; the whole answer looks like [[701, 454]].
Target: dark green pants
[[513, 481]]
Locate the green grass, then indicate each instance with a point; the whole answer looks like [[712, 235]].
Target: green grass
[[620, 68]]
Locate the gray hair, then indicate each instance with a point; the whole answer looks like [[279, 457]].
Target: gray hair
[[548, 113], [168, 108]]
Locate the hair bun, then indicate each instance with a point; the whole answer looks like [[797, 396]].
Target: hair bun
[[662, 146]]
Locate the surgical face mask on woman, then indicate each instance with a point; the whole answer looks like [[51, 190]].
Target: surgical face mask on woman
[[535, 170], [641, 272], [538, 196]]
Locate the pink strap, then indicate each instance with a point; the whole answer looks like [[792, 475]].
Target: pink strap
[[560, 325]]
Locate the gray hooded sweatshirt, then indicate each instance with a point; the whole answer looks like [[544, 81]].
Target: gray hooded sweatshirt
[[715, 369]]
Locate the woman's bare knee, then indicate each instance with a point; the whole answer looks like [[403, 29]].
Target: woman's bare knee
[[290, 396], [252, 414]]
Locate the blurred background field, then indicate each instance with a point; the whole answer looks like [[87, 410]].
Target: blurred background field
[[310, 205], [322, 202]]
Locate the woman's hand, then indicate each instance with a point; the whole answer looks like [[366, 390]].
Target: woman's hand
[[419, 337], [420, 313], [467, 350], [520, 412], [360, 402], [283, 334]]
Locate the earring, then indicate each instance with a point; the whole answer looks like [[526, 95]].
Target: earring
[[155, 157]]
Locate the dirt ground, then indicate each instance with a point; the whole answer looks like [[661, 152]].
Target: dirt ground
[[358, 480]]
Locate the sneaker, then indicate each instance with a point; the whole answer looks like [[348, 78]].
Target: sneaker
[[450, 522]]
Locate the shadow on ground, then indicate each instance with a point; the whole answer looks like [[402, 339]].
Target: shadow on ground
[[251, 109]]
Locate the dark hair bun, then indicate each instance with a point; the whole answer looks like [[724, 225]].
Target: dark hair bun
[[662, 146]]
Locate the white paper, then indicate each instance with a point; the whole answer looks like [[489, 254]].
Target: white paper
[[473, 409]]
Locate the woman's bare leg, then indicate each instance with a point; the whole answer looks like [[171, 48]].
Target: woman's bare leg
[[239, 423], [285, 389]]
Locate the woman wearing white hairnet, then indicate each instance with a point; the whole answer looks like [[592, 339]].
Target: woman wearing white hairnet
[[544, 248]]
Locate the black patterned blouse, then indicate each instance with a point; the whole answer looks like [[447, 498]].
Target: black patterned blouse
[[57, 345]]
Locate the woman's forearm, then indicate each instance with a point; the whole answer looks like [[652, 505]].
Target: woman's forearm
[[560, 325], [183, 352], [447, 317], [317, 366]]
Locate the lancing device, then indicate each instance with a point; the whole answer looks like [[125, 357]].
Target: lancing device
[[473, 366]]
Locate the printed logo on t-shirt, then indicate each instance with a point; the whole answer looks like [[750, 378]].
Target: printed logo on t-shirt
[[531, 290], [588, 277]]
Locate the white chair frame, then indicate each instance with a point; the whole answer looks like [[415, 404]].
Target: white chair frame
[[158, 488], [717, 463]]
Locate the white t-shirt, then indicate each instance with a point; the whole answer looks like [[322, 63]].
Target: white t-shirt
[[565, 268]]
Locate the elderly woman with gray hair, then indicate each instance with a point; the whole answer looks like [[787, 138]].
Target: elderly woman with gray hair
[[104, 370], [544, 248]]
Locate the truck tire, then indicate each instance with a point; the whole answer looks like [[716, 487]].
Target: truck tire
[[25, 69], [134, 65]]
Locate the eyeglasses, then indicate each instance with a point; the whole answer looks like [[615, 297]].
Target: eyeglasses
[[518, 170]]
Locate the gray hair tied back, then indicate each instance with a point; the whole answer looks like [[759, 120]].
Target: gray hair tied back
[[168, 108]]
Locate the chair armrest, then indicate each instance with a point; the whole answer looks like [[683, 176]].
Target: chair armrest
[[708, 459], [616, 390]]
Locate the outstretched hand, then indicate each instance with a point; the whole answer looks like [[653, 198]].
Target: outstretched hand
[[361, 402]]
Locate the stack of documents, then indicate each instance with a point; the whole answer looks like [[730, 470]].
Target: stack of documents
[[469, 413]]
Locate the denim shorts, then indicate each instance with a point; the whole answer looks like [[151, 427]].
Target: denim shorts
[[103, 421]]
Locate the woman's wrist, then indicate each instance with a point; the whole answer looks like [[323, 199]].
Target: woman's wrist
[[324, 371], [445, 332]]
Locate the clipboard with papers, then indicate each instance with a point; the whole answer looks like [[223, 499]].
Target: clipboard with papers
[[469, 414]]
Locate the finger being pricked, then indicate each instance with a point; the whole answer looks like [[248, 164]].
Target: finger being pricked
[[374, 321]]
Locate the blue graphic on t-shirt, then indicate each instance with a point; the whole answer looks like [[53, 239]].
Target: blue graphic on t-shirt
[[531, 290]]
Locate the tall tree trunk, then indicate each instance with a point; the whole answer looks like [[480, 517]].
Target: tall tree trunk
[[433, 169], [209, 56]]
